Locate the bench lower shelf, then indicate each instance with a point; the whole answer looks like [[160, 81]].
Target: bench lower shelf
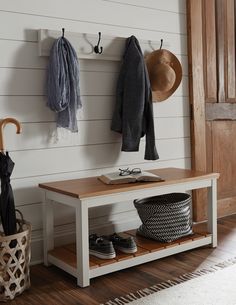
[[65, 256]]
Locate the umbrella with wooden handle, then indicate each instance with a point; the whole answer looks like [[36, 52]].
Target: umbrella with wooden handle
[[7, 205], [3, 123]]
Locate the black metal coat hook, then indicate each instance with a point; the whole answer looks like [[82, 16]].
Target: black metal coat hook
[[63, 32], [96, 48], [161, 44]]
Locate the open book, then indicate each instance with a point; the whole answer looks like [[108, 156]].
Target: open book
[[115, 178]]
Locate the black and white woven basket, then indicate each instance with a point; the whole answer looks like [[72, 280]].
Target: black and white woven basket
[[166, 217]]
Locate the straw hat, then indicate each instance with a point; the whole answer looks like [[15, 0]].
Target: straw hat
[[165, 73]]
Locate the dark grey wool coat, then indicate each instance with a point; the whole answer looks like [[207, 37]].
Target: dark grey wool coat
[[133, 114]]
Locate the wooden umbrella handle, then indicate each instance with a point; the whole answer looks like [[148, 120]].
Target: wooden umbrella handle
[[3, 123]]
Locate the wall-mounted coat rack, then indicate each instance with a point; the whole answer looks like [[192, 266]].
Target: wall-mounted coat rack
[[84, 43]]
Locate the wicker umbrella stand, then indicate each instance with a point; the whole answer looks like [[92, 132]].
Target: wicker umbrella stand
[[14, 262], [16, 233]]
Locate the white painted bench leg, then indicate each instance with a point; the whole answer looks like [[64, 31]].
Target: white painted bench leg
[[82, 244], [48, 227], [212, 212]]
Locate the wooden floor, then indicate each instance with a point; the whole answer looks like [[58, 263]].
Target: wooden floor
[[51, 286]]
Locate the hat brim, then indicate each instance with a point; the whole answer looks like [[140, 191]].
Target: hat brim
[[152, 59]]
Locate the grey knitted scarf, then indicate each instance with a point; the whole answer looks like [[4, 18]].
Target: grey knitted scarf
[[63, 93]]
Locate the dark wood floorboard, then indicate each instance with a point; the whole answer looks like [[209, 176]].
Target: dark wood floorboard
[[51, 286]]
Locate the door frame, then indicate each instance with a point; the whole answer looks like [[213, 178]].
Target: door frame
[[197, 101], [203, 98]]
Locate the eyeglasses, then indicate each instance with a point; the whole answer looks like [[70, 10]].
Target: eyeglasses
[[127, 171]]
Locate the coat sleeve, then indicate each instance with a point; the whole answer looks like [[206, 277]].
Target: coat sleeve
[[150, 149]]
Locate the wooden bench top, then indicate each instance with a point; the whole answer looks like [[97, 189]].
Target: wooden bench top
[[92, 186]]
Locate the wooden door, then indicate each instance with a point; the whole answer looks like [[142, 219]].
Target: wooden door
[[212, 89]]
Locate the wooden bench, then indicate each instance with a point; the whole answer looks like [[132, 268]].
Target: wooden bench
[[85, 193]]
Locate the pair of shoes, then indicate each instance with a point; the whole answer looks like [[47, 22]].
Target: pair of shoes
[[104, 246], [126, 245], [100, 247]]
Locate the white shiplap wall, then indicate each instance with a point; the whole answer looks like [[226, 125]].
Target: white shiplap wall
[[95, 149]]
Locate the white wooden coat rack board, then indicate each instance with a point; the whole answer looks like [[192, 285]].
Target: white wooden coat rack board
[[84, 43], [3, 123]]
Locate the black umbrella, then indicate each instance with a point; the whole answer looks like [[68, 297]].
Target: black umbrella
[[7, 204]]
